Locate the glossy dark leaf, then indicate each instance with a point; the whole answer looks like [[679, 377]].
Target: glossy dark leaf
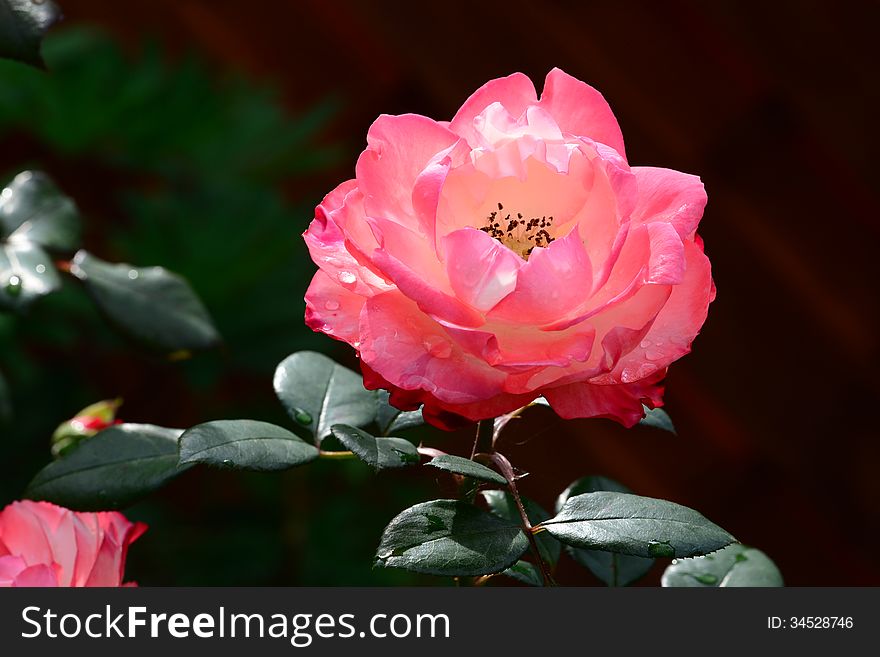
[[150, 304], [467, 468], [635, 525], [22, 26], [390, 419], [612, 568], [450, 537], [33, 209], [525, 572], [26, 274], [658, 418], [734, 566], [245, 444], [381, 453], [318, 393], [502, 504], [114, 469]]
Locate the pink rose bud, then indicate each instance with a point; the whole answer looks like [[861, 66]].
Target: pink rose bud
[[42, 544], [509, 254]]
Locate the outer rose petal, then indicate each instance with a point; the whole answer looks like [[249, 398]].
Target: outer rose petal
[[332, 309], [439, 414], [677, 324], [515, 92], [622, 402], [118, 533], [412, 351], [669, 196], [581, 110], [398, 150]]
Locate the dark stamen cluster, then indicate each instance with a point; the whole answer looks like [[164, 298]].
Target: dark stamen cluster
[[518, 233]]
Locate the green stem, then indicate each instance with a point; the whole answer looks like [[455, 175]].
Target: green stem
[[336, 455], [507, 470]]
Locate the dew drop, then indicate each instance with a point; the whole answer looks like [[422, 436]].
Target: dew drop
[[40, 269], [13, 286], [661, 549], [302, 416], [331, 305], [133, 274], [644, 344], [346, 277]]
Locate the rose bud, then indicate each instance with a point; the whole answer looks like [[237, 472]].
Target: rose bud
[[42, 544]]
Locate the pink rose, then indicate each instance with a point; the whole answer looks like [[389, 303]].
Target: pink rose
[[511, 253], [46, 545]]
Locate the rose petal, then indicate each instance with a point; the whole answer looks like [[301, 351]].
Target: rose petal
[[398, 150], [553, 282], [332, 309], [339, 237], [622, 402], [412, 351], [515, 92], [580, 110], [481, 270], [37, 576], [677, 323], [669, 196]]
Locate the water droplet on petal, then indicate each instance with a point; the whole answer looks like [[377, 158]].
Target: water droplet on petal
[[40, 269], [644, 344], [302, 416], [133, 274], [331, 305], [346, 278]]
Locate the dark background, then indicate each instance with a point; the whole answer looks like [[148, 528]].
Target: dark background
[[773, 104]]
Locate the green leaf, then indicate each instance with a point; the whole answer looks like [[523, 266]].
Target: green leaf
[[525, 572], [390, 419], [502, 504], [612, 568], [635, 525], [467, 468], [657, 417], [245, 444], [150, 304], [26, 274], [114, 469], [33, 209], [318, 393], [381, 453], [735, 565], [5, 401], [450, 537], [22, 26]]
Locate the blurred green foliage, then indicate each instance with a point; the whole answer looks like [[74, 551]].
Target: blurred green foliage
[[175, 164]]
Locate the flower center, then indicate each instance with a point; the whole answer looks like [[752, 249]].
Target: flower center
[[517, 233]]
